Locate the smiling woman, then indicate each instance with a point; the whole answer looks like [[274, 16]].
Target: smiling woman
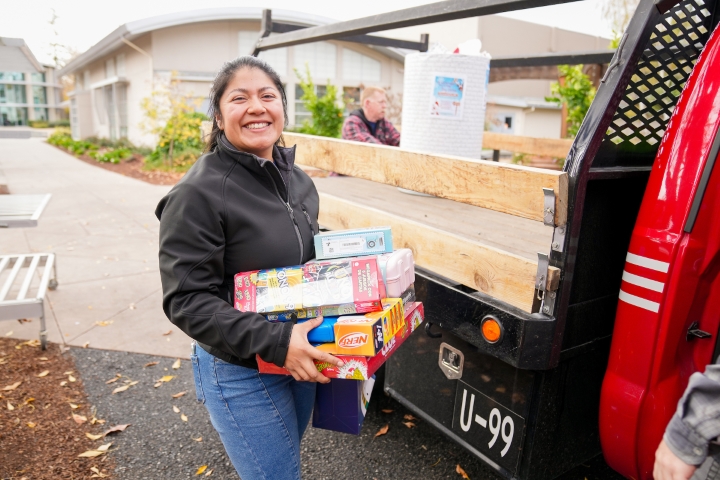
[[234, 211]]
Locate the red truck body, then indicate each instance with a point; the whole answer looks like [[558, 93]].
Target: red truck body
[[670, 280]]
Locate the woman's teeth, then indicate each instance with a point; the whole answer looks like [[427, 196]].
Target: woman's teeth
[[254, 126]]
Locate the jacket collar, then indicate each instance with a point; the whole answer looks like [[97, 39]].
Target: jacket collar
[[361, 115], [283, 157]]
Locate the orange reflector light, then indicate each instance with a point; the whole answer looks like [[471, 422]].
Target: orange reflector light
[[491, 330]]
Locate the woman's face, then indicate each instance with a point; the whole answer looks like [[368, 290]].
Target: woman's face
[[251, 112]]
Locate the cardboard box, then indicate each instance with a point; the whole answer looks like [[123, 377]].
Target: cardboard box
[[321, 288], [357, 367], [367, 334], [341, 405], [352, 243]]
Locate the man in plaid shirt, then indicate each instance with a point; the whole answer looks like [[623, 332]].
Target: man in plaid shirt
[[368, 124]]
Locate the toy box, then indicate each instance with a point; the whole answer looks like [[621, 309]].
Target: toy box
[[367, 334], [351, 243], [357, 367], [323, 333], [341, 405], [321, 288], [398, 271]]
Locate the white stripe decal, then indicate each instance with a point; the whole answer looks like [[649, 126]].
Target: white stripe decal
[[643, 282], [639, 302], [648, 263]]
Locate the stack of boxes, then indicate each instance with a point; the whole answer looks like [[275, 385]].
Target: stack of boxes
[[365, 292]]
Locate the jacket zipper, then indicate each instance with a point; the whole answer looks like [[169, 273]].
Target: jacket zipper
[[292, 217], [312, 229]]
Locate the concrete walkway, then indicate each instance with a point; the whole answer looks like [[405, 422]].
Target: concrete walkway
[[102, 228]]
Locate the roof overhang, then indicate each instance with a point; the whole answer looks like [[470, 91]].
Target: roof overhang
[[132, 30], [15, 56]]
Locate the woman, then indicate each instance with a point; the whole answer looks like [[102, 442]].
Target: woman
[[243, 206]]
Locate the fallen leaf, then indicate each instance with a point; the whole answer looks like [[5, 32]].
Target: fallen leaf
[[199, 439], [408, 424], [94, 437], [43, 373], [166, 378], [120, 389], [113, 380], [201, 470], [382, 431], [176, 409], [208, 473], [44, 359], [31, 424], [460, 471], [91, 454], [69, 372], [423, 447], [104, 448], [409, 417], [85, 345], [157, 384], [12, 387], [167, 333], [387, 410], [434, 464], [71, 378], [183, 417], [103, 323], [79, 419], [73, 406], [134, 382], [150, 364], [116, 428], [98, 473], [178, 395], [9, 334], [10, 406], [176, 365], [63, 383]]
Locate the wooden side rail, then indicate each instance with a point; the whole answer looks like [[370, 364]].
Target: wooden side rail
[[544, 147], [512, 189], [505, 276]]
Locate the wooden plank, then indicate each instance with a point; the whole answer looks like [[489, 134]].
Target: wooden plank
[[544, 147], [502, 275], [506, 188]]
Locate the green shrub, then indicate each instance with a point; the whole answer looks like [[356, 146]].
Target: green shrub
[[577, 93], [112, 156], [327, 112], [60, 123], [38, 124], [180, 143]]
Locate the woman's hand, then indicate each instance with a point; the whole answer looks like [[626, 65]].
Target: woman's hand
[[669, 467], [300, 356]]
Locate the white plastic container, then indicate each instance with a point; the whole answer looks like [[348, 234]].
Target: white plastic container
[[398, 271]]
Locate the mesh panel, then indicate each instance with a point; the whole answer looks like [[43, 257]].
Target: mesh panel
[[650, 97]]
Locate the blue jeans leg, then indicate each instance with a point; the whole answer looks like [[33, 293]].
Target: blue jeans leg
[[260, 418]]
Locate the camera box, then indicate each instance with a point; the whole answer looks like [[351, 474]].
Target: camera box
[[341, 405], [352, 243], [357, 367], [306, 291]]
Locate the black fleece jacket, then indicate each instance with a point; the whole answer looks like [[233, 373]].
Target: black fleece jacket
[[233, 212]]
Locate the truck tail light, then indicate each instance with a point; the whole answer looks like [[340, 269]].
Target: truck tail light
[[491, 329]]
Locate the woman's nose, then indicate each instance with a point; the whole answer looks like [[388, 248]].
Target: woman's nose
[[255, 106]]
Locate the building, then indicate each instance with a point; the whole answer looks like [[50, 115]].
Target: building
[[29, 91], [113, 76]]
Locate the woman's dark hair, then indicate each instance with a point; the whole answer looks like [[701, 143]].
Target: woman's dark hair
[[220, 84]]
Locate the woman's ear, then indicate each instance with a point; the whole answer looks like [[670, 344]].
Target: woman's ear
[[218, 121]]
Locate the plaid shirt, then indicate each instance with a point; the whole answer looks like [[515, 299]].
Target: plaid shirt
[[356, 129], [696, 422]]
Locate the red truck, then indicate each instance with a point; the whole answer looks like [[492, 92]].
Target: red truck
[[597, 365]]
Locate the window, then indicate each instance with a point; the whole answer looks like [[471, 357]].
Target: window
[[320, 57], [12, 94], [276, 58], [109, 68], [120, 64], [302, 113], [39, 96], [12, 76], [13, 116], [359, 67], [37, 77], [41, 114]]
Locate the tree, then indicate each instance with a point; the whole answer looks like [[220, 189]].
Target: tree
[[618, 13], [169, 113], [326, 111], [576, 91]]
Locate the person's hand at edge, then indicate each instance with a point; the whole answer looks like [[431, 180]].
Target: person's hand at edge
[[669, 467], [300, 355]]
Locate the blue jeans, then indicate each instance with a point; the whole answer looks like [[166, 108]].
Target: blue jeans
[[260, 417]]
